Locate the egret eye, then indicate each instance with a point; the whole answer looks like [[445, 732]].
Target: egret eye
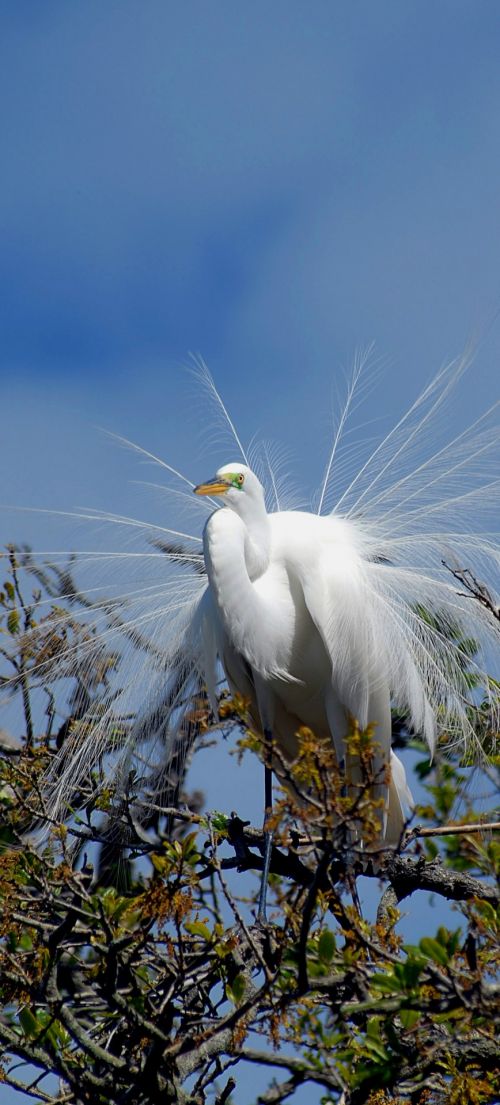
[[240, 478]]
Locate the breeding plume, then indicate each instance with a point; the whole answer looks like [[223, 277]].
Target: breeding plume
[[350, 611], [291, 611]]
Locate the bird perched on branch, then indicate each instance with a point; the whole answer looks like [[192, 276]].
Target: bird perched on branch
[[348, 612], [292, 612]]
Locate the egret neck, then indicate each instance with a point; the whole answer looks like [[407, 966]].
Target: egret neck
[[237, 547]]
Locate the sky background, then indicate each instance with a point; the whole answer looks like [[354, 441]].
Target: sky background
[[272, 186]]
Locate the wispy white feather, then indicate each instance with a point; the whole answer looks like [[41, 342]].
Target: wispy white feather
[[417, 501]]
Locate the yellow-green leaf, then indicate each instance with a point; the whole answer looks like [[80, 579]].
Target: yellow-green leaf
[[237, 989], [387, 984], [28, 1022], [408, 1017], [13, 622], [198, 928], [326, 946], [434, 950]]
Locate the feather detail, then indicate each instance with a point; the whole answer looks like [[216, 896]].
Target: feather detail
[[334, 615]]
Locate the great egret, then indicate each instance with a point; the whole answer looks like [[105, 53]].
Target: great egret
[[291, 612], [318, 616]]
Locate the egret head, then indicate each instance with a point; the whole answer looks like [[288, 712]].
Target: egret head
[[237, 484]]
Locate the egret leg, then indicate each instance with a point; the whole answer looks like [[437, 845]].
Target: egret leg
[[268, 836]]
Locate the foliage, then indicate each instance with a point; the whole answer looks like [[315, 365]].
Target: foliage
[[131, 964]]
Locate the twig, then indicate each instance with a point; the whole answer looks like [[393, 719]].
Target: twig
[[226, 1092], [475, 588], [455, 830]]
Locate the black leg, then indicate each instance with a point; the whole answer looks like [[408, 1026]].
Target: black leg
[[268, 836]]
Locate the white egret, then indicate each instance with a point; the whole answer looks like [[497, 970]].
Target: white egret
[[292, 615], [316, 618]]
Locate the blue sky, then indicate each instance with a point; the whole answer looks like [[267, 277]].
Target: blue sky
[[268, 186], [272, 186]]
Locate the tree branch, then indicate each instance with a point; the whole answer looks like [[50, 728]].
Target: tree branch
[[407, 875]]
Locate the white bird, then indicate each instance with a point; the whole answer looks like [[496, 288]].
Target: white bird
[[316, 618], [291, 612]]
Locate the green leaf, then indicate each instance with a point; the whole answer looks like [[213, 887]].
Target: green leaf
[[198, 928], [13, 622], [161, 864], [373, 1028], [410, 972], [387, 984], [374, 1047], [237, 989], [450, 940], [219, 821], [53, 1030], [433, 950], [450, 1015], [25, 942], [489, 916], [28, 1022], [408, 1017], [10, 590], [326, 946], [190, 848]]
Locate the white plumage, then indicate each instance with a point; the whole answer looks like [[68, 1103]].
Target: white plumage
[[315, 617], [291, 613]]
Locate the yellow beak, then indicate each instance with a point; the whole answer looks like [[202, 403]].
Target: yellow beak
[[217, 486]]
